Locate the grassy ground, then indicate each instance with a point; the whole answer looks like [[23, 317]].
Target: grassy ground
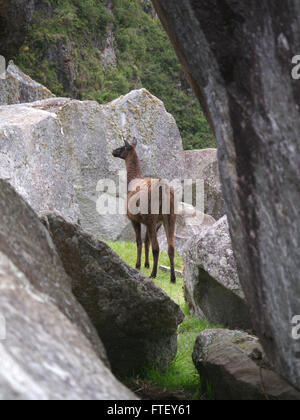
[[180, 379], [127, 251]]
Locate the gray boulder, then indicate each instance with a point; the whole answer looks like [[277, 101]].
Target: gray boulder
[[49, 348], [55, 151], [189, 223], [43, 355], [197, 160], [27, 244], [202, 165], [135, 319], [213, 195], [212, 287], [235, 365], [140, 114], [18, 88], [238, 58], [34, 158]]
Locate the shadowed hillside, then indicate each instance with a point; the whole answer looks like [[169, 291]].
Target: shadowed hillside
[[99, 50]]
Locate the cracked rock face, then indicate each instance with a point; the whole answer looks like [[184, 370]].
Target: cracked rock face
[[237, 57], [135, 319], [236, 367], [212, 286]]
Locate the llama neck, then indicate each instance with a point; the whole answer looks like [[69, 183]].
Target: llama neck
[[133, 167]]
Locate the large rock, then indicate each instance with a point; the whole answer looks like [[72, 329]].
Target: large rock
[[140, 114], [49, 348], [189, 223], [235, 365], [34, 157], [55, 151], [197, 160], [213, 195], [27, 243], [135, 319], [18, 88], [237, 56], [44, 356], [202, 165], [15, 18], [212, 287]]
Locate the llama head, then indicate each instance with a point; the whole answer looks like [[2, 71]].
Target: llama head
[[123, 152]]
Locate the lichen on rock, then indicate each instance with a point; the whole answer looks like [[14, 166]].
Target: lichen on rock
[[17, 87]]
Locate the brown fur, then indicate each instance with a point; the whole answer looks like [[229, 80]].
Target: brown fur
[[145, 188]]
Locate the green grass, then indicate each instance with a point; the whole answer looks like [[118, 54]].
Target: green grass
[[127, 251], [181, 375]]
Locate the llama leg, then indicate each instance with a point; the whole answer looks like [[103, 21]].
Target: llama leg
[[155, 250], [147, 249], [138, 232], [169, 225]]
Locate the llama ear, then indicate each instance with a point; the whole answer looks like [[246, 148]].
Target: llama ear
[[134, 142], [127, 145]]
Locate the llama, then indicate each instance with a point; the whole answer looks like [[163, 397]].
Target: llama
[[157, 194]]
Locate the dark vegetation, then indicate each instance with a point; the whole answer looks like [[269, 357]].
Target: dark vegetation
[[64, 51]]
